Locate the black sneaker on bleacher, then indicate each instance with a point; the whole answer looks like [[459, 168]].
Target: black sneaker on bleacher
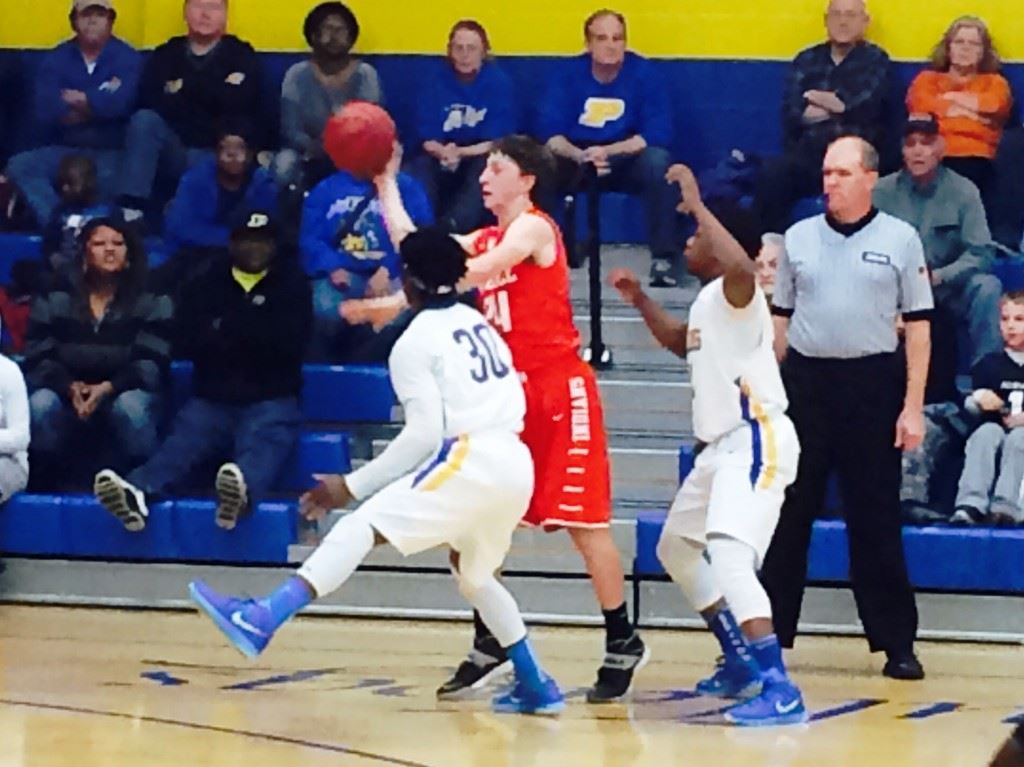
[[486, 660], [122, 499], [621, 662], [232, 496]]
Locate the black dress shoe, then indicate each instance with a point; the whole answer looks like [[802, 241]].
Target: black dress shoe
[[904, 666]]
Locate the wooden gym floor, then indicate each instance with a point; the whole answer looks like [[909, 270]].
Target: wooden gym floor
[[96, 688]]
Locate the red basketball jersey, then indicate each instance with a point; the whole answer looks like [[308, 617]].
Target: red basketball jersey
[[529, 304]]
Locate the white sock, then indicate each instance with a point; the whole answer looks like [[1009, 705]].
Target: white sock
[[338, 555], [734, 564], [684, 561], [497, 608]]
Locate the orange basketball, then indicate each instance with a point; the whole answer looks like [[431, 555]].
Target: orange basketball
[[360, 138]]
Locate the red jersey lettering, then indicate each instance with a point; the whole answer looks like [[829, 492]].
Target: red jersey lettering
[[529, 304]]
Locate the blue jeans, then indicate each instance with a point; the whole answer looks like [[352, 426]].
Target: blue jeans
[[125, 424], [150, 147], [454, 195], [35, 172], [258, 437], [976, 304], [641, 174]]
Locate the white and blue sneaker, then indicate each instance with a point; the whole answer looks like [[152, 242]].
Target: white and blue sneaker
[[779, 703], [546, 701], [737, 681], [245, 622]]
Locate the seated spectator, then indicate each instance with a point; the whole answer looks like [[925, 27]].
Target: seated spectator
[[97, 354], [83, 95], [245, 325], [14, 430], [607, 110], [214, 198], [313, 90], [947, 212], [462, 109], [990, 486], [970, 97], [348, 253], [767, 262], [79, 204], [189, 85], [837, 88]]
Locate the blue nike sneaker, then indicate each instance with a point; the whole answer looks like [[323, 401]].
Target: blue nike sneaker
[[546, 701], [778, 704], [738, 681], [245, 622]]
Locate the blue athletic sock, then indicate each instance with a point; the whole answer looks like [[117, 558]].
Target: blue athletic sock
[[768, 653], [287, 599], [527, 668], [727, 631]]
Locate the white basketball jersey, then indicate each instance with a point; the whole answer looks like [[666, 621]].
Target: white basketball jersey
[[733, 369], [470, 368]]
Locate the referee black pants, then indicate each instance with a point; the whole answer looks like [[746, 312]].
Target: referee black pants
[[845, 414]]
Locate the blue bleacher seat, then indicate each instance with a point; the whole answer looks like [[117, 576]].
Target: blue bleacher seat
[[348, 393], [317, 453], [31, 525], [262, 536], [807, 207], [90, 531], [944, 558], [1010, 271]]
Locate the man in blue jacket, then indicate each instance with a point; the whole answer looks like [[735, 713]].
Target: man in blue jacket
[[189, 85], [214, 197], [348, 254], [610, 111], [84, 94]]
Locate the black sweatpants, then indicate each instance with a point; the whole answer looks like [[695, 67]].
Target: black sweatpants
[[845, 413]]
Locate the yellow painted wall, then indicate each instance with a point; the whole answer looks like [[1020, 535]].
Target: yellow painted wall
[[759, 29]]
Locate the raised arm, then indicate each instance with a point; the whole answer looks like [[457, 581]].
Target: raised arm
[[527, 236], [666, 329], [739, 271]]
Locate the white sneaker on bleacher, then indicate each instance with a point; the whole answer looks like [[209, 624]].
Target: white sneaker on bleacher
[[122, 499]]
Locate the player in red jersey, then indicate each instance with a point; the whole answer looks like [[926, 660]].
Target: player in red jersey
[[521, 272]]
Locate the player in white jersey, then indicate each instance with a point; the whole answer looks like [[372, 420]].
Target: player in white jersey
[[457, 476], [723, 518]]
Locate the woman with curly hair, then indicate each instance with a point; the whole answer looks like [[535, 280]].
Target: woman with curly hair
[[971, 99], [97, 353]]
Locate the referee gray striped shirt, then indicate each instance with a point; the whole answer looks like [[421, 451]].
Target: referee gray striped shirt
[[843, 292]]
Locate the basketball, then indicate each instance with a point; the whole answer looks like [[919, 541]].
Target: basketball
[[360, 138]]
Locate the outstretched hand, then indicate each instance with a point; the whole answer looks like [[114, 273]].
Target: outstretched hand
[[627, 283], [330, 492], [688, 187]]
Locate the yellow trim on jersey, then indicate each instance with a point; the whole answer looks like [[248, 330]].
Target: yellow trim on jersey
[[769, 444], [449, 468]]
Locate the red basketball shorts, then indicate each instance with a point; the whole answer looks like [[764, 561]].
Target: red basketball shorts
[[564, 430]]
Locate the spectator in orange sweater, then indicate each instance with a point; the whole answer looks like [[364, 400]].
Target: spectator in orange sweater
[[969, 96]]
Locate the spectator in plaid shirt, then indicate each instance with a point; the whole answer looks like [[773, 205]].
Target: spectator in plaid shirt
[[837, 88]]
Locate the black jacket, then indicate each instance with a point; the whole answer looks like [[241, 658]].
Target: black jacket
[[192, 94], [130, 347], [246, 348]]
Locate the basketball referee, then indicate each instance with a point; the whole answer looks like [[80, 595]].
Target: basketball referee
[[843, 281]]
